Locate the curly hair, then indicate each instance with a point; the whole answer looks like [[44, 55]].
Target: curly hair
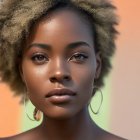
[[17, 17]]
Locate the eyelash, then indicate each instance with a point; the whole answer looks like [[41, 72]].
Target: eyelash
[[76, 58], [41, 58]]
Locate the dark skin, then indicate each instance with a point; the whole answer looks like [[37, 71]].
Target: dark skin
[[60, 54]]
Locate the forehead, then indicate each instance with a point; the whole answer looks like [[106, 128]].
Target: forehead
[[69, 11], [63, 24], [68, 16]]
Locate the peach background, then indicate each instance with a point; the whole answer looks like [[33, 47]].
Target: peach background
[[125, 97], [9, 112], [125, 93]]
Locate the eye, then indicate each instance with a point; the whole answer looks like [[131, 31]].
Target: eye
[[78, 57], [39, 58]]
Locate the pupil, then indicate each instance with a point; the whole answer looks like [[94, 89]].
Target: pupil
[[40, 57]]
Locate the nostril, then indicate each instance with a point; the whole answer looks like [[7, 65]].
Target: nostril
[[67, 78], [59, 78], [53, 79]]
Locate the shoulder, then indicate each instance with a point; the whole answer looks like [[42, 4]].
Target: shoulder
[[105, 135], [6, 138], [31, 134], [15, 137], [114, 137], [110, 136]]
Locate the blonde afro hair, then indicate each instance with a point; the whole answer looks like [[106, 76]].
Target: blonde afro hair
[[17, 17]]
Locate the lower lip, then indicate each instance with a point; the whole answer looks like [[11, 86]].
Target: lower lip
[[60, 99]]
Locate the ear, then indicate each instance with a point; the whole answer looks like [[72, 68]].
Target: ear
[[99, 65]]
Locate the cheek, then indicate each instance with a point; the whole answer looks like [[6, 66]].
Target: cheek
[[35, 80], [33, 76], [84, 74], [84, 79]]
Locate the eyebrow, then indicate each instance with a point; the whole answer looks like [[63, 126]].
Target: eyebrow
[[77, 45], [40, 45], [70, 46]]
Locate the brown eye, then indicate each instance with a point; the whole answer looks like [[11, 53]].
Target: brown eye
[[39, 58], [78, 57]]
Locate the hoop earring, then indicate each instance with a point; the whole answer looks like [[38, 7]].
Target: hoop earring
[[36, 112], [96, 112]]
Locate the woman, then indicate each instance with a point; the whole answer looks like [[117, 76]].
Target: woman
[[56, 54]]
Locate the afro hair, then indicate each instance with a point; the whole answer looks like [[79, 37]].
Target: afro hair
[[17, 17]]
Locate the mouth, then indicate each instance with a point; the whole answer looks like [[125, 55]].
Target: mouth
[[60, 95]]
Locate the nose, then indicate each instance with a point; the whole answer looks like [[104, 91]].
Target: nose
[[59, 77], [60, 73]]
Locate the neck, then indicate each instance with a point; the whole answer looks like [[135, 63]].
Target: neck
[[79, 127]]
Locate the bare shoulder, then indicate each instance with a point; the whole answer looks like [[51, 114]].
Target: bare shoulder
[[110, 136], [31, 134], [15, 137], [114, 137], [6, 138]]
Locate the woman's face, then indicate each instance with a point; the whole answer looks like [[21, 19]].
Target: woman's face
[[59, 65]]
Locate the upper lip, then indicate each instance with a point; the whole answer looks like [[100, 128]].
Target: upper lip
[[60, 92]]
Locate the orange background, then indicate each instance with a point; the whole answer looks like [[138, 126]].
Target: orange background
[[9, 112]]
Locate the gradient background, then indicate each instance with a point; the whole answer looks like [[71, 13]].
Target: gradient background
[[120, 113]]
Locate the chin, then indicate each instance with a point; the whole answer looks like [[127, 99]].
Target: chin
[[61, 114]]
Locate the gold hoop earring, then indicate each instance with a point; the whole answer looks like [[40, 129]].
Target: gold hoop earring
[[36, 112], [96, 112]]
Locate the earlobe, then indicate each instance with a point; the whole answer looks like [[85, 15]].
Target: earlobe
[[99, 65]]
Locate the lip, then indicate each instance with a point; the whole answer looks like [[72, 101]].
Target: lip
[[60, 95]]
